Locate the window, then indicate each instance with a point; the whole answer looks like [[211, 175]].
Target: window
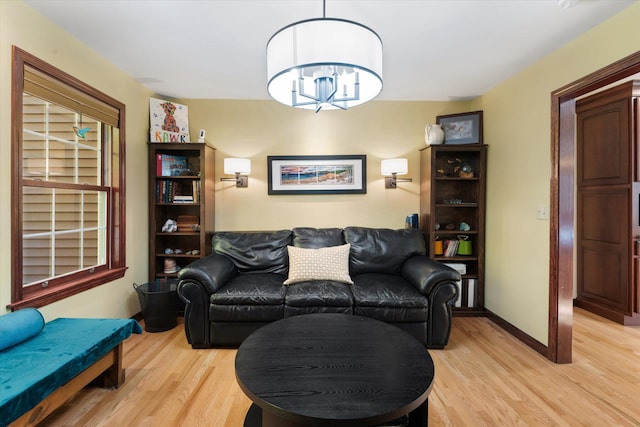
[[68, 180]]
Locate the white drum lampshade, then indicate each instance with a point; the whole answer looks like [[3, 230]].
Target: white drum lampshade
[[324, 63]]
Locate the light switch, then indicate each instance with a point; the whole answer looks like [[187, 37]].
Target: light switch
[[542, 212]]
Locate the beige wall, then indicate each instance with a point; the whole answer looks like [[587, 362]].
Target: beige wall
[[517, 128], [22, 26], [256, 129]]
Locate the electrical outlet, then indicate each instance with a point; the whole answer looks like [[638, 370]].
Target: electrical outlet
[[542, 212]]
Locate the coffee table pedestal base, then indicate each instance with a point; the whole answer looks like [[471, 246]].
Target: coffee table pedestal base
[[256, 417]]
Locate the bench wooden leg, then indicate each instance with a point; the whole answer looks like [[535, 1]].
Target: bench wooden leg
[[114, 376], [109, 368]]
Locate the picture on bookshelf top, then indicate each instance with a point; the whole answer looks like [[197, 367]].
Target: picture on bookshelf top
[[463, 128], [169, 121]]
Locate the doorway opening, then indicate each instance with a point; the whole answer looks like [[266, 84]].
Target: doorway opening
[[562, 200]]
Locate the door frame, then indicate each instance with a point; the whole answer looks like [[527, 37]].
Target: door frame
[[562, 225]]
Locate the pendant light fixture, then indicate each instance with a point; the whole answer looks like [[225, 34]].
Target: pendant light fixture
[[324, 63]]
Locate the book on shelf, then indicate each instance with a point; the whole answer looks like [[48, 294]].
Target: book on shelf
[[471, 292], [462, 269], [170, 191], [182, 199], [450, 248], [171, 165], [195, 190]]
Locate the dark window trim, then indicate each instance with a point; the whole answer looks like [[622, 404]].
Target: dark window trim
[[116, 245]]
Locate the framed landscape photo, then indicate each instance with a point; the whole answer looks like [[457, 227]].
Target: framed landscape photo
[[343, 174], [463, 128]]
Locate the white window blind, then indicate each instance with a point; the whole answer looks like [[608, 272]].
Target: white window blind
[[64, 201]]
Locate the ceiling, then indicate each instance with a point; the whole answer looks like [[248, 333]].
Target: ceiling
[[432, 49]]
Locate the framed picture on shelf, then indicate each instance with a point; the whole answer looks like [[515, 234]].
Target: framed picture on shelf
[[169, 121], [463, 128], [342, 174]]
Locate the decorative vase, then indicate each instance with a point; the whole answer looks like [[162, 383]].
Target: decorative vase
[[464, 245], [433, 134]]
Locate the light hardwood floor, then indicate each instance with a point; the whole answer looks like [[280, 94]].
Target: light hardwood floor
[[485, 377]]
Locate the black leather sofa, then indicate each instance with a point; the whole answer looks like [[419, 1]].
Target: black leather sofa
[[239, 287]]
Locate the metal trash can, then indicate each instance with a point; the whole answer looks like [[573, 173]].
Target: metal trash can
[[160, 305]]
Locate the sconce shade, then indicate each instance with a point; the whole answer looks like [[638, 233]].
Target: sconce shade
[[324, 63], [233, 165], [397, 166]]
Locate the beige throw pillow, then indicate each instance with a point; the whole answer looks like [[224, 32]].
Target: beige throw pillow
[[330, 263]]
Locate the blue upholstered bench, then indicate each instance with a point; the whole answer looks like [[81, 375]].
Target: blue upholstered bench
[[43, 371]]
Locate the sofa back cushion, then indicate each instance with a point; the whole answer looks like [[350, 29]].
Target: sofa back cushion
[[255, 251], [315, 238], [381, 250]]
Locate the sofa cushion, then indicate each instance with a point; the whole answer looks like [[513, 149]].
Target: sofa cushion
[[240, 313], [318, 296], [290, 311], [331, 263], [307, 237], [381, 250], [388, 297], [251, 289], [249, 298], [318, 293], [255, 252]]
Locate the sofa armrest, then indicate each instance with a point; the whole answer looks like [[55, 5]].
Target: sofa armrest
[[196, 313], [425, 273], [198, 281], [438, 282], [212, 272], [441, 299]]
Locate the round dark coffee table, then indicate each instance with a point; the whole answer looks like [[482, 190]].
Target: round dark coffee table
[[334, 370]]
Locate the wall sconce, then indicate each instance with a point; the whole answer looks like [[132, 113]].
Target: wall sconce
[[391, 168], [238, 167]]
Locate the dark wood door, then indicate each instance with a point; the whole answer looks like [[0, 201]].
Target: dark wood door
[[605, 210]]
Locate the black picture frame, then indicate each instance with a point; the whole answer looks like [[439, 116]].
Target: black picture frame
[[462, 128], [336, 174]]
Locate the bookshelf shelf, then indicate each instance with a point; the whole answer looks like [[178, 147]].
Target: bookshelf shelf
[[178, 204], [456, 205], [455, 258]]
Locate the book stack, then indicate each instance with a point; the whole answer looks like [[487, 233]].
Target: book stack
[[182, 199], [187, 223], [169, 191]]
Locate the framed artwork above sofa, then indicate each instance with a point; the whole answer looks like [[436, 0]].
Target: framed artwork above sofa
[[337, 174]]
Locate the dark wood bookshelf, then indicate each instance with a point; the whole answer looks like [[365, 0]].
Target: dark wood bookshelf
[[447, 199], [200, 159]]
